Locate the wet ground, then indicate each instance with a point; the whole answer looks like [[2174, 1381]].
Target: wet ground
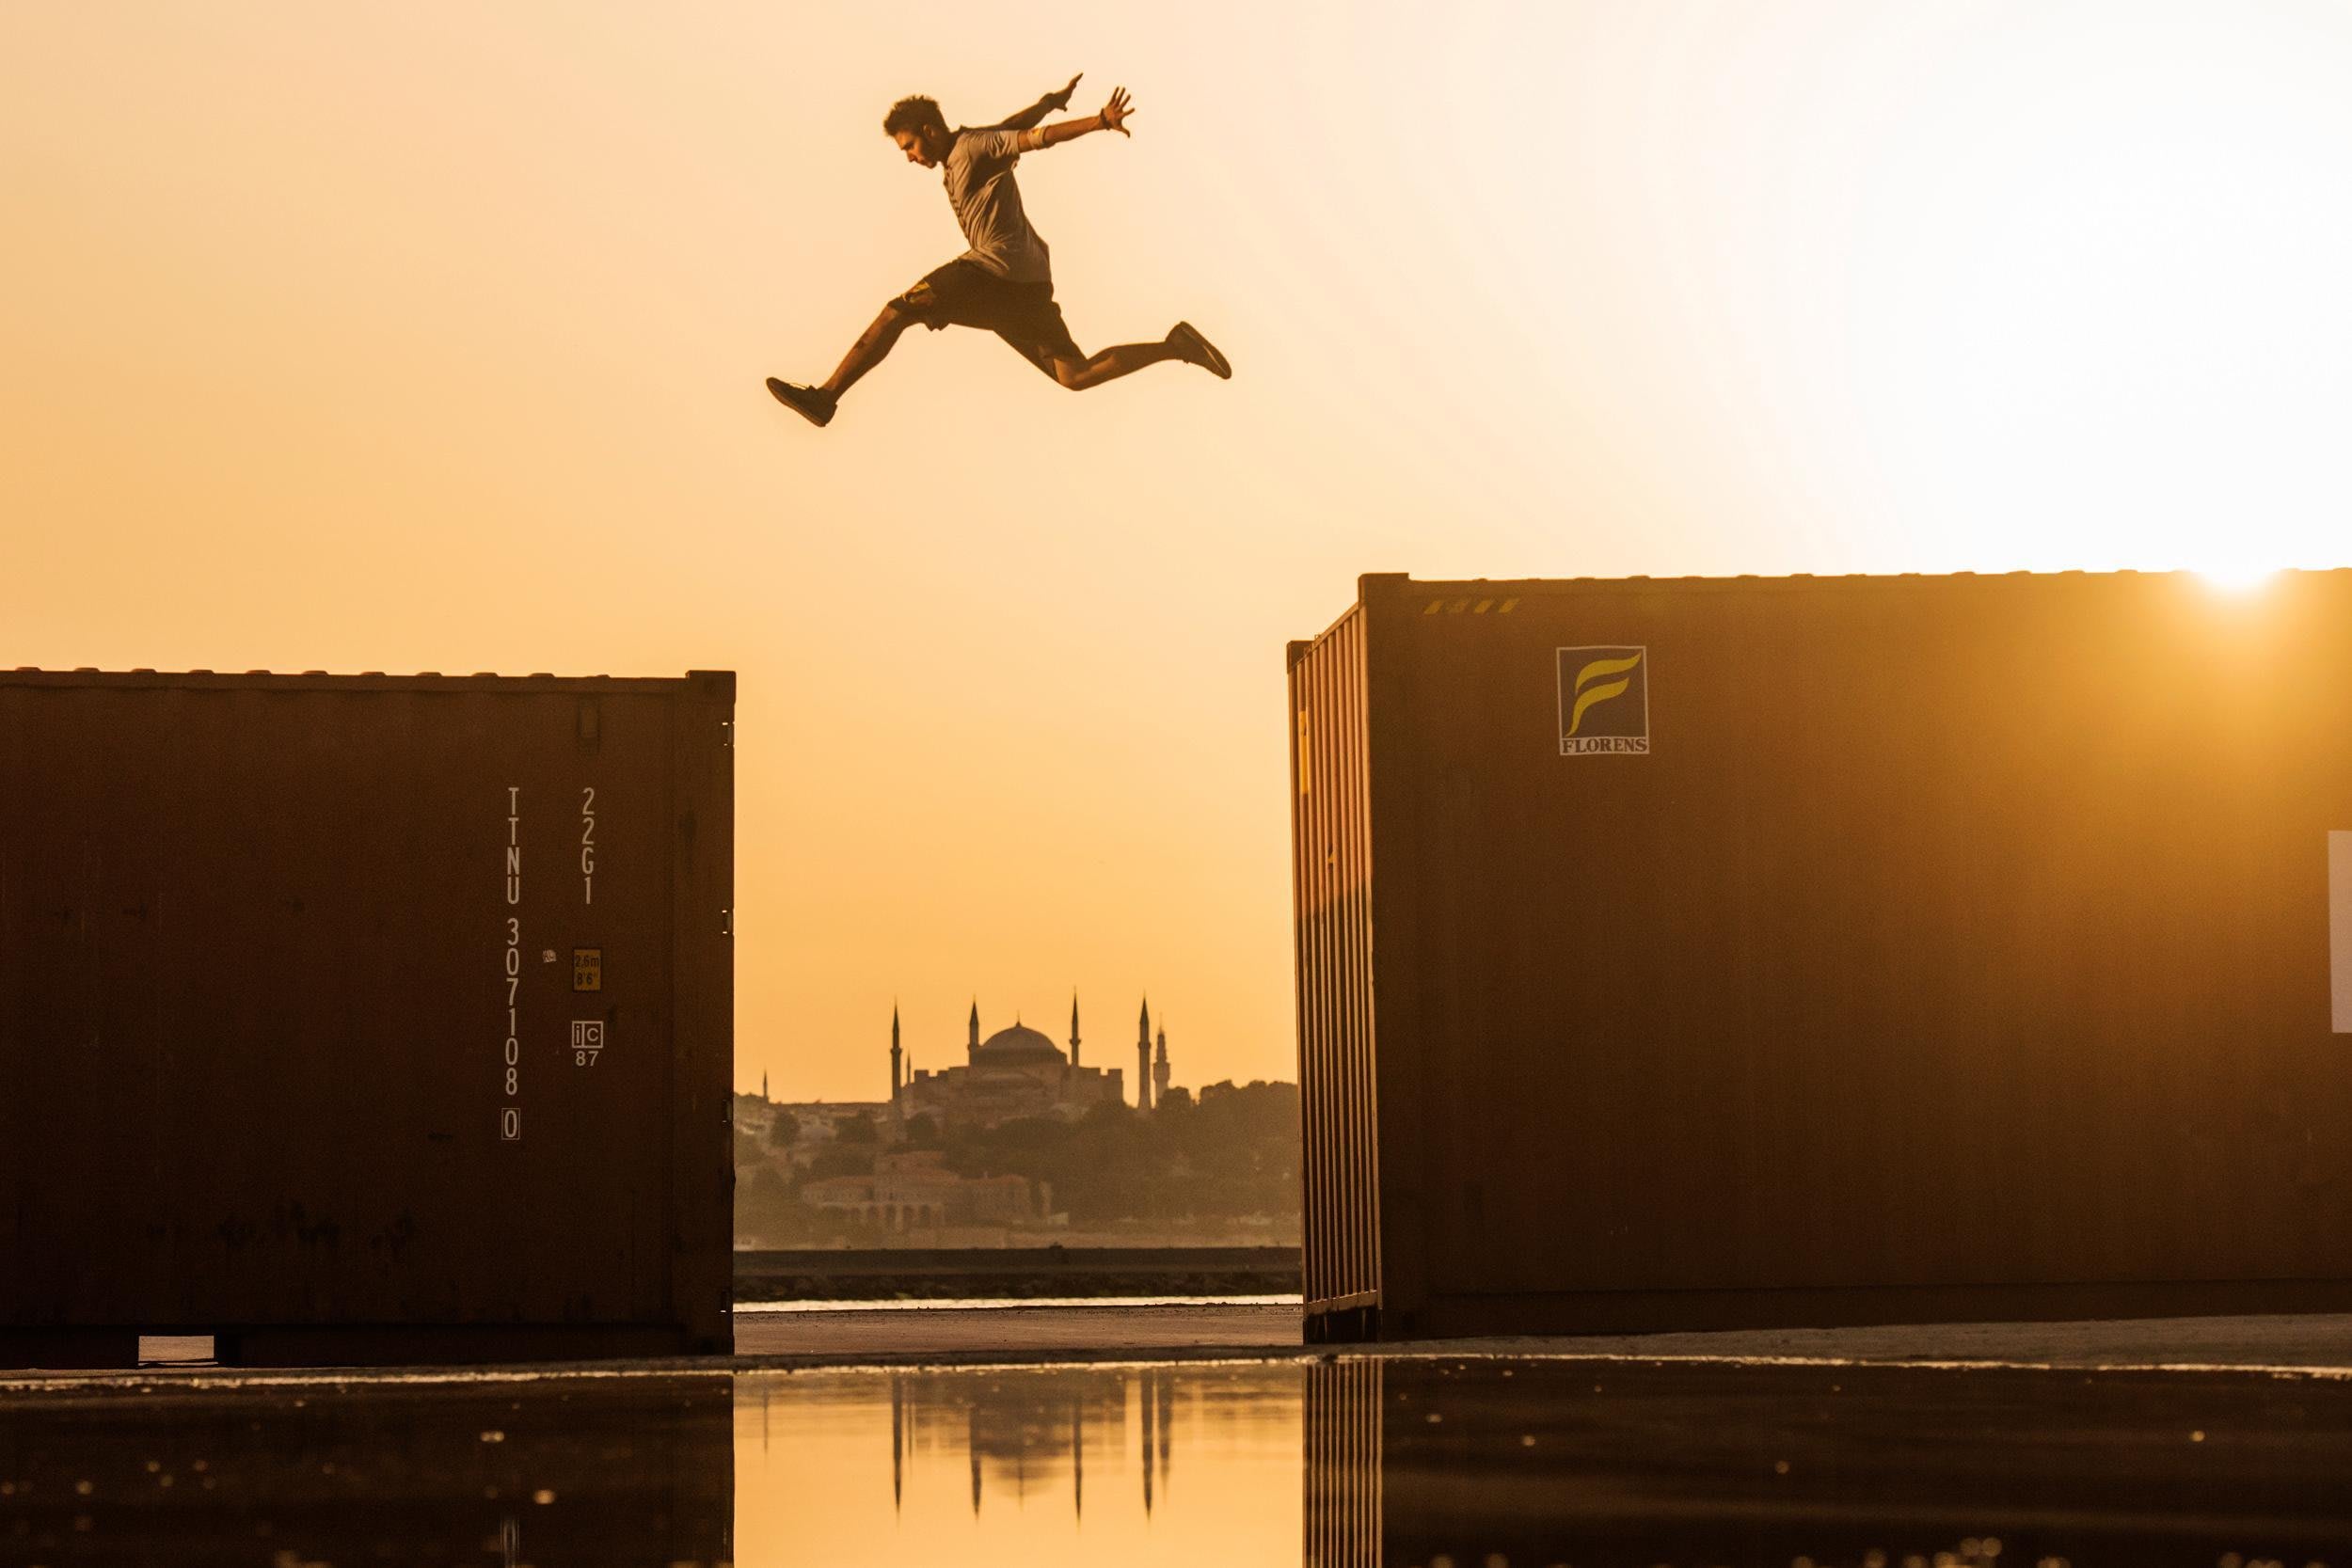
[[1822, 1449], [1031, 1331]]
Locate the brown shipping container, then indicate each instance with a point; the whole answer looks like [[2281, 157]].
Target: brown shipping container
[[364, 1017], [1721, 953]]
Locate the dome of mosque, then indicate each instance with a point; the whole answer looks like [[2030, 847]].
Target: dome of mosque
[[1018, 1046]]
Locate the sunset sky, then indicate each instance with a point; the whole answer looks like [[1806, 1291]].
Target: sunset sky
[[430, 336]]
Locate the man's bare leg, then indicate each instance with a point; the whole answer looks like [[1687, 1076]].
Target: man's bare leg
[[817, 403], [1184, 341], [1110, 364], [872, 347]]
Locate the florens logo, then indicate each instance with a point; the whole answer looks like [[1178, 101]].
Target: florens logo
[[1604, 701]]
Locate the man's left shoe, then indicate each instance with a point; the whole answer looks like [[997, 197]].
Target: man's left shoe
[[1193, 349]]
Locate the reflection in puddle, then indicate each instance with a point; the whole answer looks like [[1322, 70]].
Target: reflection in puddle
[[1142, 1465], [1339, 1463], [550, 1471], [1515, 1463], [1033, 1466]]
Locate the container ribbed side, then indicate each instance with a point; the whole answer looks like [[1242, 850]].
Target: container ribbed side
[[355, 1020], [1331, 855]]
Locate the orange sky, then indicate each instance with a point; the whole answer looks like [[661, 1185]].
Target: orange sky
[[430, 337]]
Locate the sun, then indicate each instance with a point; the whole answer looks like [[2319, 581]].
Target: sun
[[2238, 577]]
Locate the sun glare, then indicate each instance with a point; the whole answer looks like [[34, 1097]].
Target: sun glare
[[2242, 576]]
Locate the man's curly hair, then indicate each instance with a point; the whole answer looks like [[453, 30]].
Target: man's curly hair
[[913, 114]]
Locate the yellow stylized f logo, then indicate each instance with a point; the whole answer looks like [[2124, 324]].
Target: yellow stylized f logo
[[1592, 684]]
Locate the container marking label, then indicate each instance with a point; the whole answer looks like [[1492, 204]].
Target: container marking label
[[587, 849], [510, 1050], [587, 969], [587, 1039], [1604, 700], [2340, 926]]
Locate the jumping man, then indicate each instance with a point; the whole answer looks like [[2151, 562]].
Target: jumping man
[[1005, 282]]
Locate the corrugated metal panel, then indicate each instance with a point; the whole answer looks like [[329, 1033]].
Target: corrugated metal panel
[[366, 1016], [1332, 892], [1872, 949]]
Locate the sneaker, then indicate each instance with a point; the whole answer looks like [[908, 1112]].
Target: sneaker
[[1196, 349], [813, 403]]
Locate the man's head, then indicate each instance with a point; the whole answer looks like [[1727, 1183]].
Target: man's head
[[919, 129]]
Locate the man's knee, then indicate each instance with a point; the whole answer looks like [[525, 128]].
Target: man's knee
[[1071, 373]]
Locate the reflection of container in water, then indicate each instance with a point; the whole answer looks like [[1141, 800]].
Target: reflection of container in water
[[1429, 1460]]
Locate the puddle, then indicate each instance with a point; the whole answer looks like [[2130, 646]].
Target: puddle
[[1487, 1463]]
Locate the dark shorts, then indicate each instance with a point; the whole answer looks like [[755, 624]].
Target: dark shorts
[[964, 293]]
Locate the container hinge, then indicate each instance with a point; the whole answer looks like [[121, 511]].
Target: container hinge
[[726, 922], [726, 733]]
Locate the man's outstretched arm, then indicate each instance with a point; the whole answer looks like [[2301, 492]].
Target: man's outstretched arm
[[1113, 117], [1052, 103]]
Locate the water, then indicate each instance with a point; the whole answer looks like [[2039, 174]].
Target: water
[[1494, 1462], [1131, 1466]]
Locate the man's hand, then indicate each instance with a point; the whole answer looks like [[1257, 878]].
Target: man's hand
[[1113, 117], [1052, 102], [1115, 113]]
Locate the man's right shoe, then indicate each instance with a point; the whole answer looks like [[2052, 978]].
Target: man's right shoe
[[813, 403]]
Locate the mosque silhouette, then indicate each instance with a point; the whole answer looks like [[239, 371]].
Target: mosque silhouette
[[1017, 1071]]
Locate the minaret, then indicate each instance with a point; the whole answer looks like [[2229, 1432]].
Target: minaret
[[897, 1444], [1168, 1428], [1074, 1027], [763, 1086], [896, 1080], [1143, 1057], [1159, 1068], [972, 1045]]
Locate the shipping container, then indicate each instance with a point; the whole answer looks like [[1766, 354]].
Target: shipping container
[[357, 1019], [1679, 954]]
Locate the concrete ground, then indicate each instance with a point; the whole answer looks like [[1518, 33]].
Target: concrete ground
[[1095, 1332], [1016, 1333], [1110, 1331]]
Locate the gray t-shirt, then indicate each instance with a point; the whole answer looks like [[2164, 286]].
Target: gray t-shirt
[[977, 172]]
